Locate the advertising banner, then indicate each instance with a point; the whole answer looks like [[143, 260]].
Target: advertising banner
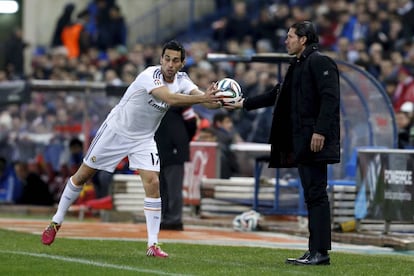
[[385, 188], [204, 162]]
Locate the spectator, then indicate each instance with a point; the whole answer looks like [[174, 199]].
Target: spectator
[[173, 137], [117, 28], [35, 190], [236, 27], [102, 23], [265, 27], [72, 157], [14, 55], [64, 20], [102, 183], [239, 24], [6, 147], [75, 37], [206, 134], [10, 186], [406, 12], [346, 25], [404, 124], [327, 26], [226, 136], [405, 88]]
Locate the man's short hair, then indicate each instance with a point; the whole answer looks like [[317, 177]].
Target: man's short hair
[[176, 46], [307, 29]]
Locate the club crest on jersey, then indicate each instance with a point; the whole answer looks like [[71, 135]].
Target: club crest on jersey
[[93, 159], [157, 82]]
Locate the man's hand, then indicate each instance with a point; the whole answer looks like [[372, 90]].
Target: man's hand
[[317, 142], [232, 106], [210, 94]]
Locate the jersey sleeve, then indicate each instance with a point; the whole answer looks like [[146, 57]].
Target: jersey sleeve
[[150, 79]]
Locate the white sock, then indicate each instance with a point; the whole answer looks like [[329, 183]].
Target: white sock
[[69, 195], [152, 211]]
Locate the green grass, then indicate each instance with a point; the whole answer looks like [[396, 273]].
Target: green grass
[[23, 254]]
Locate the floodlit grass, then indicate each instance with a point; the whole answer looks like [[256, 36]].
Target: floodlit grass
[[23, 254]]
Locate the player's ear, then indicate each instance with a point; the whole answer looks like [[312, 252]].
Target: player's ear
[[161, 60], [183, 64]]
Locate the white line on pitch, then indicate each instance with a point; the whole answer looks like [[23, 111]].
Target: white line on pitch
[[81, 261]]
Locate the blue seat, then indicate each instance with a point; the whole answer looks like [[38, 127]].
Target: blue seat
[[274, 206]]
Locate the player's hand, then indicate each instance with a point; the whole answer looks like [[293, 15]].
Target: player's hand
[[232, 106], [210, 94], [317, 142]]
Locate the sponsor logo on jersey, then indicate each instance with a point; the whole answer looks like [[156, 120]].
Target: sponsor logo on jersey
[[161, 106]]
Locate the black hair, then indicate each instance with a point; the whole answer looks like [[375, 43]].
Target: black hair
[[208, 130], [306, 29], [220, 116], [75, 142], [176, 46]]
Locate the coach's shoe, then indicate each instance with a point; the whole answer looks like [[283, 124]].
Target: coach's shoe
[[293, 260], [49, 233], [315, 259], [156, 251]]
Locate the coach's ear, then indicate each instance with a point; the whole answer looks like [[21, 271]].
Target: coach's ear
[[303, 40]]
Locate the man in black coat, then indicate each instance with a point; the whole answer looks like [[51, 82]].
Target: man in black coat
[[173, 138], [305, 130]]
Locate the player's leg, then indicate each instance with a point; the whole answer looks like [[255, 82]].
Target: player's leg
[[152, 204], [144, 157], [106, 151], [152, 211], [70, 194], [72, 191]]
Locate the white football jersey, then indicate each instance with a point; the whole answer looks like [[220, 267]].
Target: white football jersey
[[138, 113]]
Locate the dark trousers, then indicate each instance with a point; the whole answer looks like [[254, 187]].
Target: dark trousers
[[314, 183], [171, 190]]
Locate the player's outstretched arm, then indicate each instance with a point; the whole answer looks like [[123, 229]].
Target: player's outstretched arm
[[208, 98]]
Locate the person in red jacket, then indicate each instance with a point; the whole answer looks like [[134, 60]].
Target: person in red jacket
[[404, 91]]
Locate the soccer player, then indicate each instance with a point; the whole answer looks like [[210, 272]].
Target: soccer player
[[129, 131]]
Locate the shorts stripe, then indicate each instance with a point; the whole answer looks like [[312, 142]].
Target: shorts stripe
[[95, 140]]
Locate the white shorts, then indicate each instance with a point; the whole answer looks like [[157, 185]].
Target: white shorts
[[108, 149]]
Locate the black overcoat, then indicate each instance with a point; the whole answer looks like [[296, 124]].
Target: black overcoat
[[307, 102]]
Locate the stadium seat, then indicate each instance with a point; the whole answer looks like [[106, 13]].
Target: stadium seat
[[275, 206]]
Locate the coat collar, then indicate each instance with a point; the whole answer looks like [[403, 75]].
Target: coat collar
[[308, 50]]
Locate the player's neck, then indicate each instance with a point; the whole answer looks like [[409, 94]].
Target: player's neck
[[169, 79]]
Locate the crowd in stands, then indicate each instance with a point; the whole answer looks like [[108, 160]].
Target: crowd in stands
[[90, 44]]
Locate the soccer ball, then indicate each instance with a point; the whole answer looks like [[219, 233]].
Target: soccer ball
[[247, 221], [230, 91]]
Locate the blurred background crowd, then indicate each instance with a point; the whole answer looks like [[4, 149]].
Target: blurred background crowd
[[89, 43]]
